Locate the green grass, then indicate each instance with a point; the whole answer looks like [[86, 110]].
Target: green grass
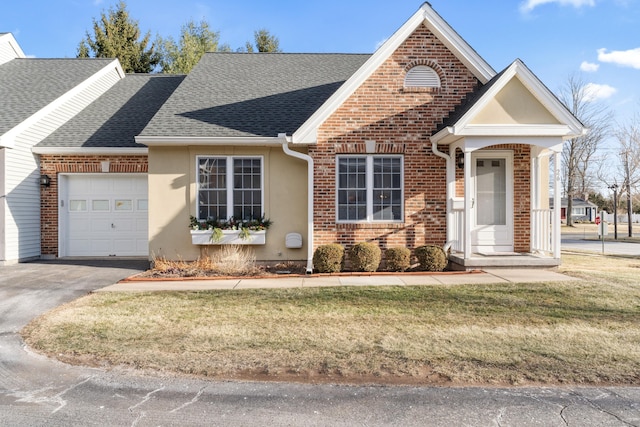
[[584, 331]]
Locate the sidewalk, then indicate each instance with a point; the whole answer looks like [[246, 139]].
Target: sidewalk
[[487, 276]]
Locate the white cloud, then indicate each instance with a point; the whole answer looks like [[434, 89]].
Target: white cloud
[[625, 58], [595, 92], [529, 5], [589, 67]]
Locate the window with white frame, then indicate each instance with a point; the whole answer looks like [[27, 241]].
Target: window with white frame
[[230, 186], [369, 188], [578, 211]]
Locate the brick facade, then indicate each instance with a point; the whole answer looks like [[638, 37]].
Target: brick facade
[[400, 121], [52, 165]]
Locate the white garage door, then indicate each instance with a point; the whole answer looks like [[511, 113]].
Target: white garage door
[[105, 215]]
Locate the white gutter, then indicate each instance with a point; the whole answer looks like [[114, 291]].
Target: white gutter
[[87, 151], [309, 160], [172, 141]]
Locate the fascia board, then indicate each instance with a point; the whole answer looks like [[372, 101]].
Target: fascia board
[[14, 45], [171, 141], [515, 130], [445, 136], [520, 71], [306, 134], [460, 48], [96, 151], [8, 139], [548, 99], [480, 104], [473, 143]]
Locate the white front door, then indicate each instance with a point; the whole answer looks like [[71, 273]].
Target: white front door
[[103, 215], [492, 204]]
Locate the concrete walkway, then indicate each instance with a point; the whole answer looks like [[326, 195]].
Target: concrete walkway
[[485, 277]]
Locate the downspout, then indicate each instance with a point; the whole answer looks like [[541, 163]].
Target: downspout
[[309, 160], [447, 157]]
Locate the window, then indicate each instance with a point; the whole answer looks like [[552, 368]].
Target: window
[[578, 212], [421, 76], [369, 188], [229, 186]]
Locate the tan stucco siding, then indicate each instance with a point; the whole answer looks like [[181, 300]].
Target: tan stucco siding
[[173, 198], [514, 104]]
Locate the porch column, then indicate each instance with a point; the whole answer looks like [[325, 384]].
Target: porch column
[[556, 205], [468, 204]]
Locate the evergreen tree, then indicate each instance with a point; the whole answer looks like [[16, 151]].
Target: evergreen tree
[[264, 42], [116, 35], [195, 40]]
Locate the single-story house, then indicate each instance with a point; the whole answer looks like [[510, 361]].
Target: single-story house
[[581, 210], [420, 143]]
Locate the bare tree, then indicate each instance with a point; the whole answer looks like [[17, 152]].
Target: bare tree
[[578, 153], [629, 139]]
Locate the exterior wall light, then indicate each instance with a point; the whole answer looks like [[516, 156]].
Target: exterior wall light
[[45, 181]]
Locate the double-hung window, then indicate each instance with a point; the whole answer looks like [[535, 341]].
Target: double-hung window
[[230, 186], [369, 188]]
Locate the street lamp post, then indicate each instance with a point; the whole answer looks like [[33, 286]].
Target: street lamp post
[[614, 187]]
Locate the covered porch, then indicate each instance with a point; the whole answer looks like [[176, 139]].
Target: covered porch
[[498, 212], [500, 146]]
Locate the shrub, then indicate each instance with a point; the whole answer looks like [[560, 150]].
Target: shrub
[[328, 258], [398, 259], [365, 256], [232, 260], [431, 258]]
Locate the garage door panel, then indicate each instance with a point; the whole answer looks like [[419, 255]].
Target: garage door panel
[[111, 224], [100, 186], [79, 225], [102, 246], [124, 224]]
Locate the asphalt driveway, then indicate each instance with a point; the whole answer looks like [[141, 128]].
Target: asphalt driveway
[[36, 391]]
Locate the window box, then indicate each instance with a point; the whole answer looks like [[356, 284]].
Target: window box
[[229, 237]]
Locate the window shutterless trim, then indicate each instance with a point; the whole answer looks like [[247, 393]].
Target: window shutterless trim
[[229, 182], [369, 188]]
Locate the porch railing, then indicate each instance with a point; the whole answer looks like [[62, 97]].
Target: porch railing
[[458, 230], [541, 236]]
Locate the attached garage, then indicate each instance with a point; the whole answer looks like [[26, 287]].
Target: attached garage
[[103, 215]]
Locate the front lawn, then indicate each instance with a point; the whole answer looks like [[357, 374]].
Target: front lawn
[[584, 331]]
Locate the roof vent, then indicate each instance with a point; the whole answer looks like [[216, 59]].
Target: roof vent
[[421, 76]]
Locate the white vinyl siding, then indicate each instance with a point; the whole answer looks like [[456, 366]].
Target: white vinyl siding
[[7, 51], [22, 171], [22, 203]]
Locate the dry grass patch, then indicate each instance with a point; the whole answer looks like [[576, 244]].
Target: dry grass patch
[[585, 331]]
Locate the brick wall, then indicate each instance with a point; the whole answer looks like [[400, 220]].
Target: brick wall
[[52, 165], [400, 121]]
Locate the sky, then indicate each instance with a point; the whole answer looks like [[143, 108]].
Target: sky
[[596, 40]]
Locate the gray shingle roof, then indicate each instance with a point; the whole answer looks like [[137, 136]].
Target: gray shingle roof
[[27, 84], [116, 117], [240, 95]]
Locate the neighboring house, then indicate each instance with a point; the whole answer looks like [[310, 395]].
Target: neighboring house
[[582, 210], [420, 143], [37, 96], [96, 204]]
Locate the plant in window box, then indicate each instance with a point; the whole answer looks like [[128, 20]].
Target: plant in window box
[[232, 231]]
